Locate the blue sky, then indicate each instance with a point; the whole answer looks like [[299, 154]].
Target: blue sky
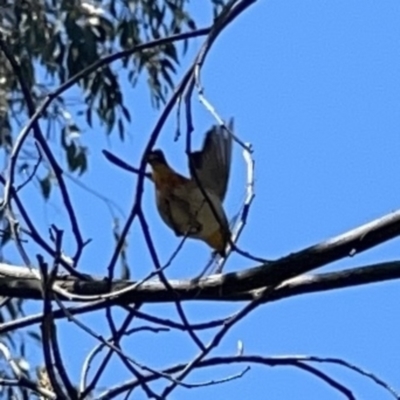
[[315, 87]]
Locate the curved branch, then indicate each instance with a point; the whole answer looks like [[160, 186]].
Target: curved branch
[[279, 361]]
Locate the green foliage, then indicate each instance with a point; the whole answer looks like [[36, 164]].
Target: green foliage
[[45, 186], [53, 40]]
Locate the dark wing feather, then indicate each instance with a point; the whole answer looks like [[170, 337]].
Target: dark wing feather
[[212, 164]]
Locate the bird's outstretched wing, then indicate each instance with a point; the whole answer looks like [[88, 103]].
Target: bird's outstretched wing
[[212, 163]]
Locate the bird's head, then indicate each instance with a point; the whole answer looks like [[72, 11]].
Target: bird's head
[[156, 157]]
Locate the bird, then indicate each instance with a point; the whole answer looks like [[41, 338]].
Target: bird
[[192, 206]]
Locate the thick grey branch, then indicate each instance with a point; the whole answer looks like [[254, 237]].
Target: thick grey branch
[[205, 289], [20, 282]]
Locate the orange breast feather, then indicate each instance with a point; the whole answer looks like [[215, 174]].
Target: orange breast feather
[[165, 178]]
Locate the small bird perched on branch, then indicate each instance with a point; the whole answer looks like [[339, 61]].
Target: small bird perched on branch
[[193, 207]]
